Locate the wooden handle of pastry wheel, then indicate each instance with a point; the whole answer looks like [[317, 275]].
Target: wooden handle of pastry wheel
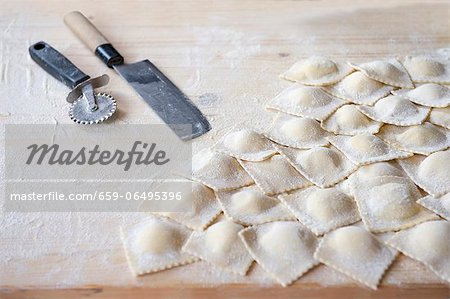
[[85, 30], [92, 38]]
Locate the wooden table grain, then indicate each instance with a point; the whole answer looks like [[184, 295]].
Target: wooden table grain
[[226, 56]]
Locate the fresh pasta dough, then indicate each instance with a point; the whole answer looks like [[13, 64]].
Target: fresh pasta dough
[[296, 132], [323, 166], [429, 173], [155, 245], [390, 72], [366, 172], [359, 89], [357, 253], [348, 120], [427, 243], [284, 249], [440, 117], [306, 101], [420, 139], [396, 110], [321, 210], [430, 94], [366, 148], [245, 145], [425, 68], [349, 142], [388, 203], [275, 175], [218, 171], [205, 208], [249, 206], [220, 246], [316, 70], [439, 205]]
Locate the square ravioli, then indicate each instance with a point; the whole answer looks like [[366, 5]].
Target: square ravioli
[[427, 243], [305, 101], [420, 139], [348, 120], [284, 249], [220, 246], [218, 171], [357, 253], [359, 89], [249, 206], [430, 94], [439, 205], [275, 175], [296, 132], [317, 70], [155, 245], [366, 148], [440, 117], [245, 145], [322, 210], [388, 203], [323, 166], [390, 72], [429, 173], [367, 172], [426, 68], [205, 208], [396, 110]]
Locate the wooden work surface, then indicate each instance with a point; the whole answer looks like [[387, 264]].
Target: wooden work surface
[[226, 56]]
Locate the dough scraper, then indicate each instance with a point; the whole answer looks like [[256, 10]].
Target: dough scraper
[[169, 103]]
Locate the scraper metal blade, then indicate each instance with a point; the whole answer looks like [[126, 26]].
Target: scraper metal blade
[[171, 105]]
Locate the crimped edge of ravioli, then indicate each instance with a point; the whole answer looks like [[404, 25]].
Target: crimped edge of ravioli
[[346, 151], [343, 70], [430, 202], [411, 171], [373, 128], [253, 157], [368, 111], [387, 133], [275, 138], [442, 79], [310, 224], [204, 224], [207, 260], [274, 276], [421, 216], [243, 223], [245, 178], [392, 61], [368, 100], [353, 276], [187, 224], [405, 93], [318, 113], [262, 184], [438, 121], [129, 259], [414, 257], [308, 177]]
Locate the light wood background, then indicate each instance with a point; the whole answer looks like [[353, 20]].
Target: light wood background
[[226, 56]]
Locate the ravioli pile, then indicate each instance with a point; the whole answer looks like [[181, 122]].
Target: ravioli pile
[[349, 142]]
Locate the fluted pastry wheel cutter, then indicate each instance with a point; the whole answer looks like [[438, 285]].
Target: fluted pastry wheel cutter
[[87, 107]]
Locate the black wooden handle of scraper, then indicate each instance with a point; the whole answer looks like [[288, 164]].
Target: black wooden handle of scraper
[[56, 64]]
